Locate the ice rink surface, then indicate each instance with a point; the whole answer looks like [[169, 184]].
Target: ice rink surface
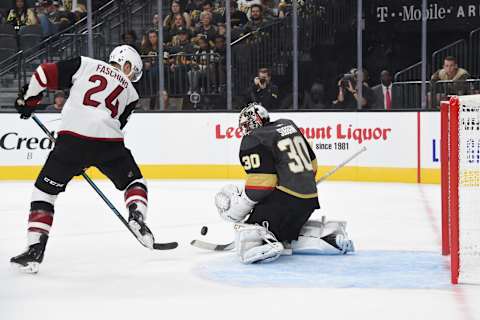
[[94, 269]]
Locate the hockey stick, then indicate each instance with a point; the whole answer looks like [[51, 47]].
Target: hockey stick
[[341, 165], [212, 246], [229, 246], [156, 246]]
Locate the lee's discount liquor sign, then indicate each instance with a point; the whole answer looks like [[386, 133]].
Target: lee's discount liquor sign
[[408, 13], [205, 140], [390, 137]]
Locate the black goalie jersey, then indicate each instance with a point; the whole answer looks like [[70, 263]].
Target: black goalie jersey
[[278, 156]]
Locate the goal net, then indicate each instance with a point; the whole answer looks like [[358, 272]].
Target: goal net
[[461, 187]]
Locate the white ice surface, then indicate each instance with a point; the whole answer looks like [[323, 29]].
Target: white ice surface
[[94, 269]]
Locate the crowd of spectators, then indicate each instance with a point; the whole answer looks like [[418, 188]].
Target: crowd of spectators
[[51, 16], [449, 80], [195, 54], [194, 39]]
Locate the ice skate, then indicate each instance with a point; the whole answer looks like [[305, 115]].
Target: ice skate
[[30, 260], [138, 226]]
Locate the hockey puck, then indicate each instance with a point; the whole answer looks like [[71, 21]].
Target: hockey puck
[[204, 230]]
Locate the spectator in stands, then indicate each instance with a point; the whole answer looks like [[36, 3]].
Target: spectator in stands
[[149, 47], [182, 44], [270, 9], [450, 71], [149, 51], [176, 8], [194, 5], [348, 96], [245, 5], [80, 12], [256, 18], [384, 92], [202, 68], [221, 54], [179, 24], [20, 15], [207, 29], [263, 91], [221, 29], [455, 85], [52, 19], [238, 18], [180, 60], [283, 9], [58, 102], [155, 21], [67, 5], [130, 38], [216, 17], [314, 99], [220, 46]]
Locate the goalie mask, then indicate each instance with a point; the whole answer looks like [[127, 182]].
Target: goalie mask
[[253, 116]]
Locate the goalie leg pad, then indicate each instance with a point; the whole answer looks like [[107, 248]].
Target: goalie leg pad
[[323, 237], [254, 243]]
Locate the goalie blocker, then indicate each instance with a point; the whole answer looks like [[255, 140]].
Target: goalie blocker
[[280, 192]]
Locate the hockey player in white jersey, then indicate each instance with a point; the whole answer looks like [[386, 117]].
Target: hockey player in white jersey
[[279, 196], [101, 100]]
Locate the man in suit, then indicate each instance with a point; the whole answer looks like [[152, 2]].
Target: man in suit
[[384, 92]]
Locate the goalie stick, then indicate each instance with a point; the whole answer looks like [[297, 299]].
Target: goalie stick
[[341, 165], [230, 246], [156, 246], [212, 246]]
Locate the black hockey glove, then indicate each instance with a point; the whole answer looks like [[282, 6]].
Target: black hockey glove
[[26, 107]]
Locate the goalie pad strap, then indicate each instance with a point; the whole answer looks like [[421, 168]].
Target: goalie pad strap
[[254, 243]]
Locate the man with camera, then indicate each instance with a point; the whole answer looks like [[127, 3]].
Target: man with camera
[[263, 91], [348, 96]]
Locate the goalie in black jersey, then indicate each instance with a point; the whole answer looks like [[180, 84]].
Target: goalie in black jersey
[[279, 196]]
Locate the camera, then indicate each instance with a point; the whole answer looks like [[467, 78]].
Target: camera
[[348, 77]]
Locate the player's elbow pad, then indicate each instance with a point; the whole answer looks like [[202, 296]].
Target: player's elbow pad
[[44, 77]]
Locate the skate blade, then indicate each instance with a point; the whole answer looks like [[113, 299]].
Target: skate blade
[[30, 268], [147, 239]]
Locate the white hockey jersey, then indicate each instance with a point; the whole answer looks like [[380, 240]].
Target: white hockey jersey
[[101, 97]]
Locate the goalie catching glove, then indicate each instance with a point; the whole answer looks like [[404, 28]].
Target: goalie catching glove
[[26, 104], [232, 204]]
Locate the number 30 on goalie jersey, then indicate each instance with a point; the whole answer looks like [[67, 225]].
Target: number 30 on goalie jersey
[[278, 156]]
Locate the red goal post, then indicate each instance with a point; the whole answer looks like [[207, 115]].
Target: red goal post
[[460, 191]]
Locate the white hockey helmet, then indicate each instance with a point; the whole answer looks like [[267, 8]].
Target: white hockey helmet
[[124, 53], [253, 116]]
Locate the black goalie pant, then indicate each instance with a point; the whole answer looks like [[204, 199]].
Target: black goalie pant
[[284, 213], [71, 155]]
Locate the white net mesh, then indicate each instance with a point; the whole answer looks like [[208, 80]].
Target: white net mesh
[[469, 189]]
